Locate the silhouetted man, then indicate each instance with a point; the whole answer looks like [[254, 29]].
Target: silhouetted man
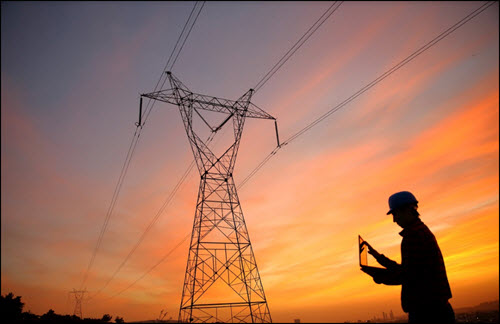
[[422, 274]]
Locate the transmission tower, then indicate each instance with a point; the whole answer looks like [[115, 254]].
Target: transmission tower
[[222, 282], [78, 302]]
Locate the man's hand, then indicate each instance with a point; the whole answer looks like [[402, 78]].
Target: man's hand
[[371, 250], [376, 277]]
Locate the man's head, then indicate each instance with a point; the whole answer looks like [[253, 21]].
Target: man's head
[[403, 207]]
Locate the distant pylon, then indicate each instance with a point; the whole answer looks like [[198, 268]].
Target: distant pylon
[[222, 282], [79, 294]]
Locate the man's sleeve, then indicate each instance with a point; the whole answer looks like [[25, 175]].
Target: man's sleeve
[[388, 263], [393, 274], [384, 276]]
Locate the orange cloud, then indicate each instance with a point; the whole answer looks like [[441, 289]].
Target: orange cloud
[[321, 195]]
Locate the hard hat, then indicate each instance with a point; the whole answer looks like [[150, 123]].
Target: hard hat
[[400, 199]]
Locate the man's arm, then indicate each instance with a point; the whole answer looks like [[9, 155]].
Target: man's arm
[[392, 275], [388, 263], [382, 259], [384, 276]]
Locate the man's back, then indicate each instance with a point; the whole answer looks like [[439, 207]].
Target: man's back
[[425, 282]]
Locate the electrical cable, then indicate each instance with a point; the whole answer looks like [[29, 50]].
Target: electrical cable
[[259, 85], [296, 46], [162, 75], [165, 204], [130, 154], [331, 111], [112, 203], [167, 68], [390, 71], [199, 11], [153, 221], [370, 85], [164, 257]]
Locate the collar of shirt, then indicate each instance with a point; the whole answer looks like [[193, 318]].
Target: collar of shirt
[[411, 228]]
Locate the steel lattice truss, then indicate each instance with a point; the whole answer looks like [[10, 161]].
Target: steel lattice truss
[[222, 282], [79, 294]]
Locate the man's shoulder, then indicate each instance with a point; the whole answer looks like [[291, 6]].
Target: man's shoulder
[[419, 231]]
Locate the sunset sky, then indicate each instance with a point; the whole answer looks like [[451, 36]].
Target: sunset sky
[[71, 75]]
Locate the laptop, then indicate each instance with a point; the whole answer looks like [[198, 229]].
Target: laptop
[[363, 259]]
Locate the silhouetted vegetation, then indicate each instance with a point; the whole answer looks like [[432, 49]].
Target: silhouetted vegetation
[[11, 311], [11, 308], [106, 318]]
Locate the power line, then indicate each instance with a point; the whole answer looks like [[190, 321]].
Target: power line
[[114, 198], [297, 45], [167, 67], [189, 32], [177, 42], [132, 147], [342, 104], [370, 85], [147, 112], [153, 221], [259, 166], [163, 258], [259, 85]]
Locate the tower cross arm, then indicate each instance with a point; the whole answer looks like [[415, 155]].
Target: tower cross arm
[[200, 101], [167, 96]]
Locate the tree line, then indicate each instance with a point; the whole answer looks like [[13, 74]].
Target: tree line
[[11, 311]]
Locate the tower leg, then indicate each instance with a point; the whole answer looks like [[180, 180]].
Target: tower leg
[[222, 282]]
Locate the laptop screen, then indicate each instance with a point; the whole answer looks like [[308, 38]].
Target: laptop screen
[[363, 253]]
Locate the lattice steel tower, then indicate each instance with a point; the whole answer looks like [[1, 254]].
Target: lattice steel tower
[[79, 294], [222, 282]]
